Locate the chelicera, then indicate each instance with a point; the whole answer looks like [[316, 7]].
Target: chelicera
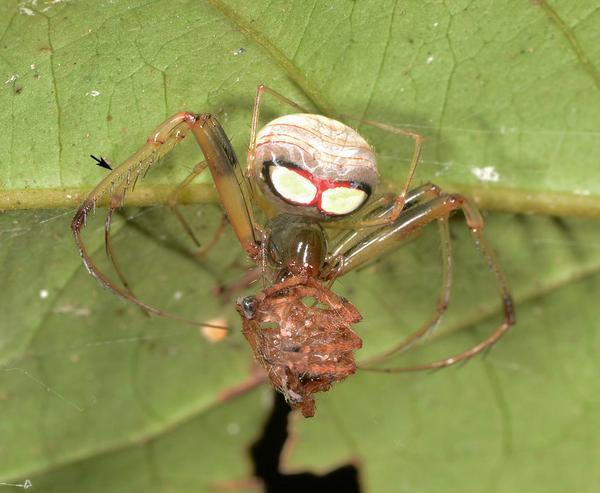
[[309, 175]]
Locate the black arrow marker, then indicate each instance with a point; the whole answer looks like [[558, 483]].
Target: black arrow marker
[[101, 162]]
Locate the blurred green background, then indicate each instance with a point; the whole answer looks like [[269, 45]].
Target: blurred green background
[[95, 396]]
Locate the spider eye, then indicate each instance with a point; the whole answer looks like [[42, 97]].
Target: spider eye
[[292, 186], [342, 200]]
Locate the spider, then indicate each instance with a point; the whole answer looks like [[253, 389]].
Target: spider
[[310, 175]]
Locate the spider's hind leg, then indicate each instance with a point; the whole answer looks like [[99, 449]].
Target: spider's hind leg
[[361, 236], [411, 220], [443, 300]]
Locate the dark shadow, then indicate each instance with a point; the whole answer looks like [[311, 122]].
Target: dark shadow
[[266, 453]]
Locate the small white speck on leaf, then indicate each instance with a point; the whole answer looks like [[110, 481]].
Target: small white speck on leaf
[[94, 94], [12, 78], [430, 59], [26, 11], [177, 295], [487, 173], [75, 311], [233, 428], [43, 293], [239, 51]]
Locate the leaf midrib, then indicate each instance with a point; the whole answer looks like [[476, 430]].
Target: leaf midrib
[[492, 198]]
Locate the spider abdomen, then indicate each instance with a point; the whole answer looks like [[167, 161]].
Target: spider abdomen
[[314, 166]]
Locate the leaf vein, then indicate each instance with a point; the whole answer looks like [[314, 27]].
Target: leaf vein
[[293, 72]]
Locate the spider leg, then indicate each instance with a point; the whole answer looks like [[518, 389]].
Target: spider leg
[[210, 244], [172, 203], [260, 91], [227, 291], [174, 195], [415, 196], [224, 168], [441, 305], [410, 221], [380, 208], [400, 200], [115, 202], [508, 317]]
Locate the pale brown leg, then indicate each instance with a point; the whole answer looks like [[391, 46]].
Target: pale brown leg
[[373, 212], [260, 91], [401, 198], [172, 203], [115, 202], [418, 195], [508, 319], [412, 219], [227, 291], [224, 169], [442, 302], [210, 244], [173, 196]]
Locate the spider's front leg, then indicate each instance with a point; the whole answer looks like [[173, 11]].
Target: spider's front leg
[[224, 167], [428, 204]]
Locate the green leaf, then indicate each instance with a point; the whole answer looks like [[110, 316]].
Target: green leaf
[[521, 418], [96, 396], [499, 90]]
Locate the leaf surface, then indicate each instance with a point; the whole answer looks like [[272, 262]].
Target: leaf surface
[[95, 395]]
